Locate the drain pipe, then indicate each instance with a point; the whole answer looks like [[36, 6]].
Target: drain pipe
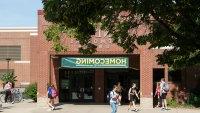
[[49, 82]]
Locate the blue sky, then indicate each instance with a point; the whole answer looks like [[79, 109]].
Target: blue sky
[[19, 13]]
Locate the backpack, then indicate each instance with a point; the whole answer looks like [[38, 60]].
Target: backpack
[[166, 87], [109, 96], [54, 93]]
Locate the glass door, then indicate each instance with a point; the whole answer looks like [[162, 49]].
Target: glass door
[[77, 85], [82, 85]]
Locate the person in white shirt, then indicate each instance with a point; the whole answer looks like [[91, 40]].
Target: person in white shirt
[[114, 99]]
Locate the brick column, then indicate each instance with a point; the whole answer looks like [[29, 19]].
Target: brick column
[[99, 86], [43, 78], [166, 72], [146, 78], [55, 62]]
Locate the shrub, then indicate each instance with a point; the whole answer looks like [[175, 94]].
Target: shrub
[[194, 99], [172, 103], [8, 77], [31, 92]]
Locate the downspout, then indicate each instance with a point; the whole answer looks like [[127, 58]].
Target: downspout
[[49, 81]]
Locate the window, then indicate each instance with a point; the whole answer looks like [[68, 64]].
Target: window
[[11, 52]]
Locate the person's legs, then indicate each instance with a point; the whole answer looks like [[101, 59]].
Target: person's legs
[[134, 106], [158, 104], [6, 96], [53, 104], [130, 104], [165, 103], [113, 107], [50, 103]]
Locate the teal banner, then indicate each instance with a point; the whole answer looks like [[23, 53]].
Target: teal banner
[[87, 62]]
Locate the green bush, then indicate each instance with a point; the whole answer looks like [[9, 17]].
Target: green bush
[[31, 92], [172, 103], [8, 77], [194, 99]]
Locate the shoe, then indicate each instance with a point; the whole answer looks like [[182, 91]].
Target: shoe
[[162, 109], [53, 108], [134, 110]]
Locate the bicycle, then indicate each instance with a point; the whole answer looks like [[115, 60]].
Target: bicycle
[[14, 97]]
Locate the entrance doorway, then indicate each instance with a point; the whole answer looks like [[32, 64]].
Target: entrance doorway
[[158, 73], [76, 85], [125, 76]]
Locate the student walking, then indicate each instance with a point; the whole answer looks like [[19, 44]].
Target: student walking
[[164, 89], [52, 94], [132, 96], [157, 93], [114, 99]]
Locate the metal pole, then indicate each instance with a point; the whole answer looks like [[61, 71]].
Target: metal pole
[[8, 60]]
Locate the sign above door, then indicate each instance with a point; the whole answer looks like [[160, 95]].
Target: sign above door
[[95, 62]]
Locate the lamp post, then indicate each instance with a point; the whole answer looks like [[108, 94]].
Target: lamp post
[[8, 60]]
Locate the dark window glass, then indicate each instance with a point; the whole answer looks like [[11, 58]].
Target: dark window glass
[[11, 52]]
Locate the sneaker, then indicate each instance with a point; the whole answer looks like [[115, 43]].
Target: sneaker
[[53, 108], [134, 110], [162, 109]]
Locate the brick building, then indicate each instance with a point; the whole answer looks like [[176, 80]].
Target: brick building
[[91, 80], [93, 83], [15, 52]]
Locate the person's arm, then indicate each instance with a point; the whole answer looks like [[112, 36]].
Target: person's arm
[[156, 93], [129, 92], [136, 94]]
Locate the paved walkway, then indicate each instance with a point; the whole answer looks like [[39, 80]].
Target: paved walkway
[[29, 107]]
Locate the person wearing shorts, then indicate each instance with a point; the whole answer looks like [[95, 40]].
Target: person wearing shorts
[[50, 97], [163, 94], [132, 96]]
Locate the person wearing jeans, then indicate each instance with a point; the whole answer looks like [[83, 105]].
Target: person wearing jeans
[[114, 98]]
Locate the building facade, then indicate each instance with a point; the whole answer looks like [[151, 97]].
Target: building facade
[[15, 52], [92, 83], [82, 78]]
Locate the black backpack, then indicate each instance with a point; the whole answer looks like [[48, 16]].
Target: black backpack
[[109, 96]]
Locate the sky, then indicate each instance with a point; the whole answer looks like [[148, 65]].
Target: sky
[[19, 13]]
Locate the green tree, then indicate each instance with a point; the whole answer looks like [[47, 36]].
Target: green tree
[[173, 23]]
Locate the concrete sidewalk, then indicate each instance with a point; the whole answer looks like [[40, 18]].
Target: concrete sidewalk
[[29, 107]]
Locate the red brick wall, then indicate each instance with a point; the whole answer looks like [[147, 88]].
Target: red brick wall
[[21, 70], [146, 71]]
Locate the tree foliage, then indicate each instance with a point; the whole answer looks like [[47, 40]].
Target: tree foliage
[[8, 77], [173, 23]]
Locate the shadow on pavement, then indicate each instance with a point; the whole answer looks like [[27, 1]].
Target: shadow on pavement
[[7, 107], [83, 103], [58, 108]]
